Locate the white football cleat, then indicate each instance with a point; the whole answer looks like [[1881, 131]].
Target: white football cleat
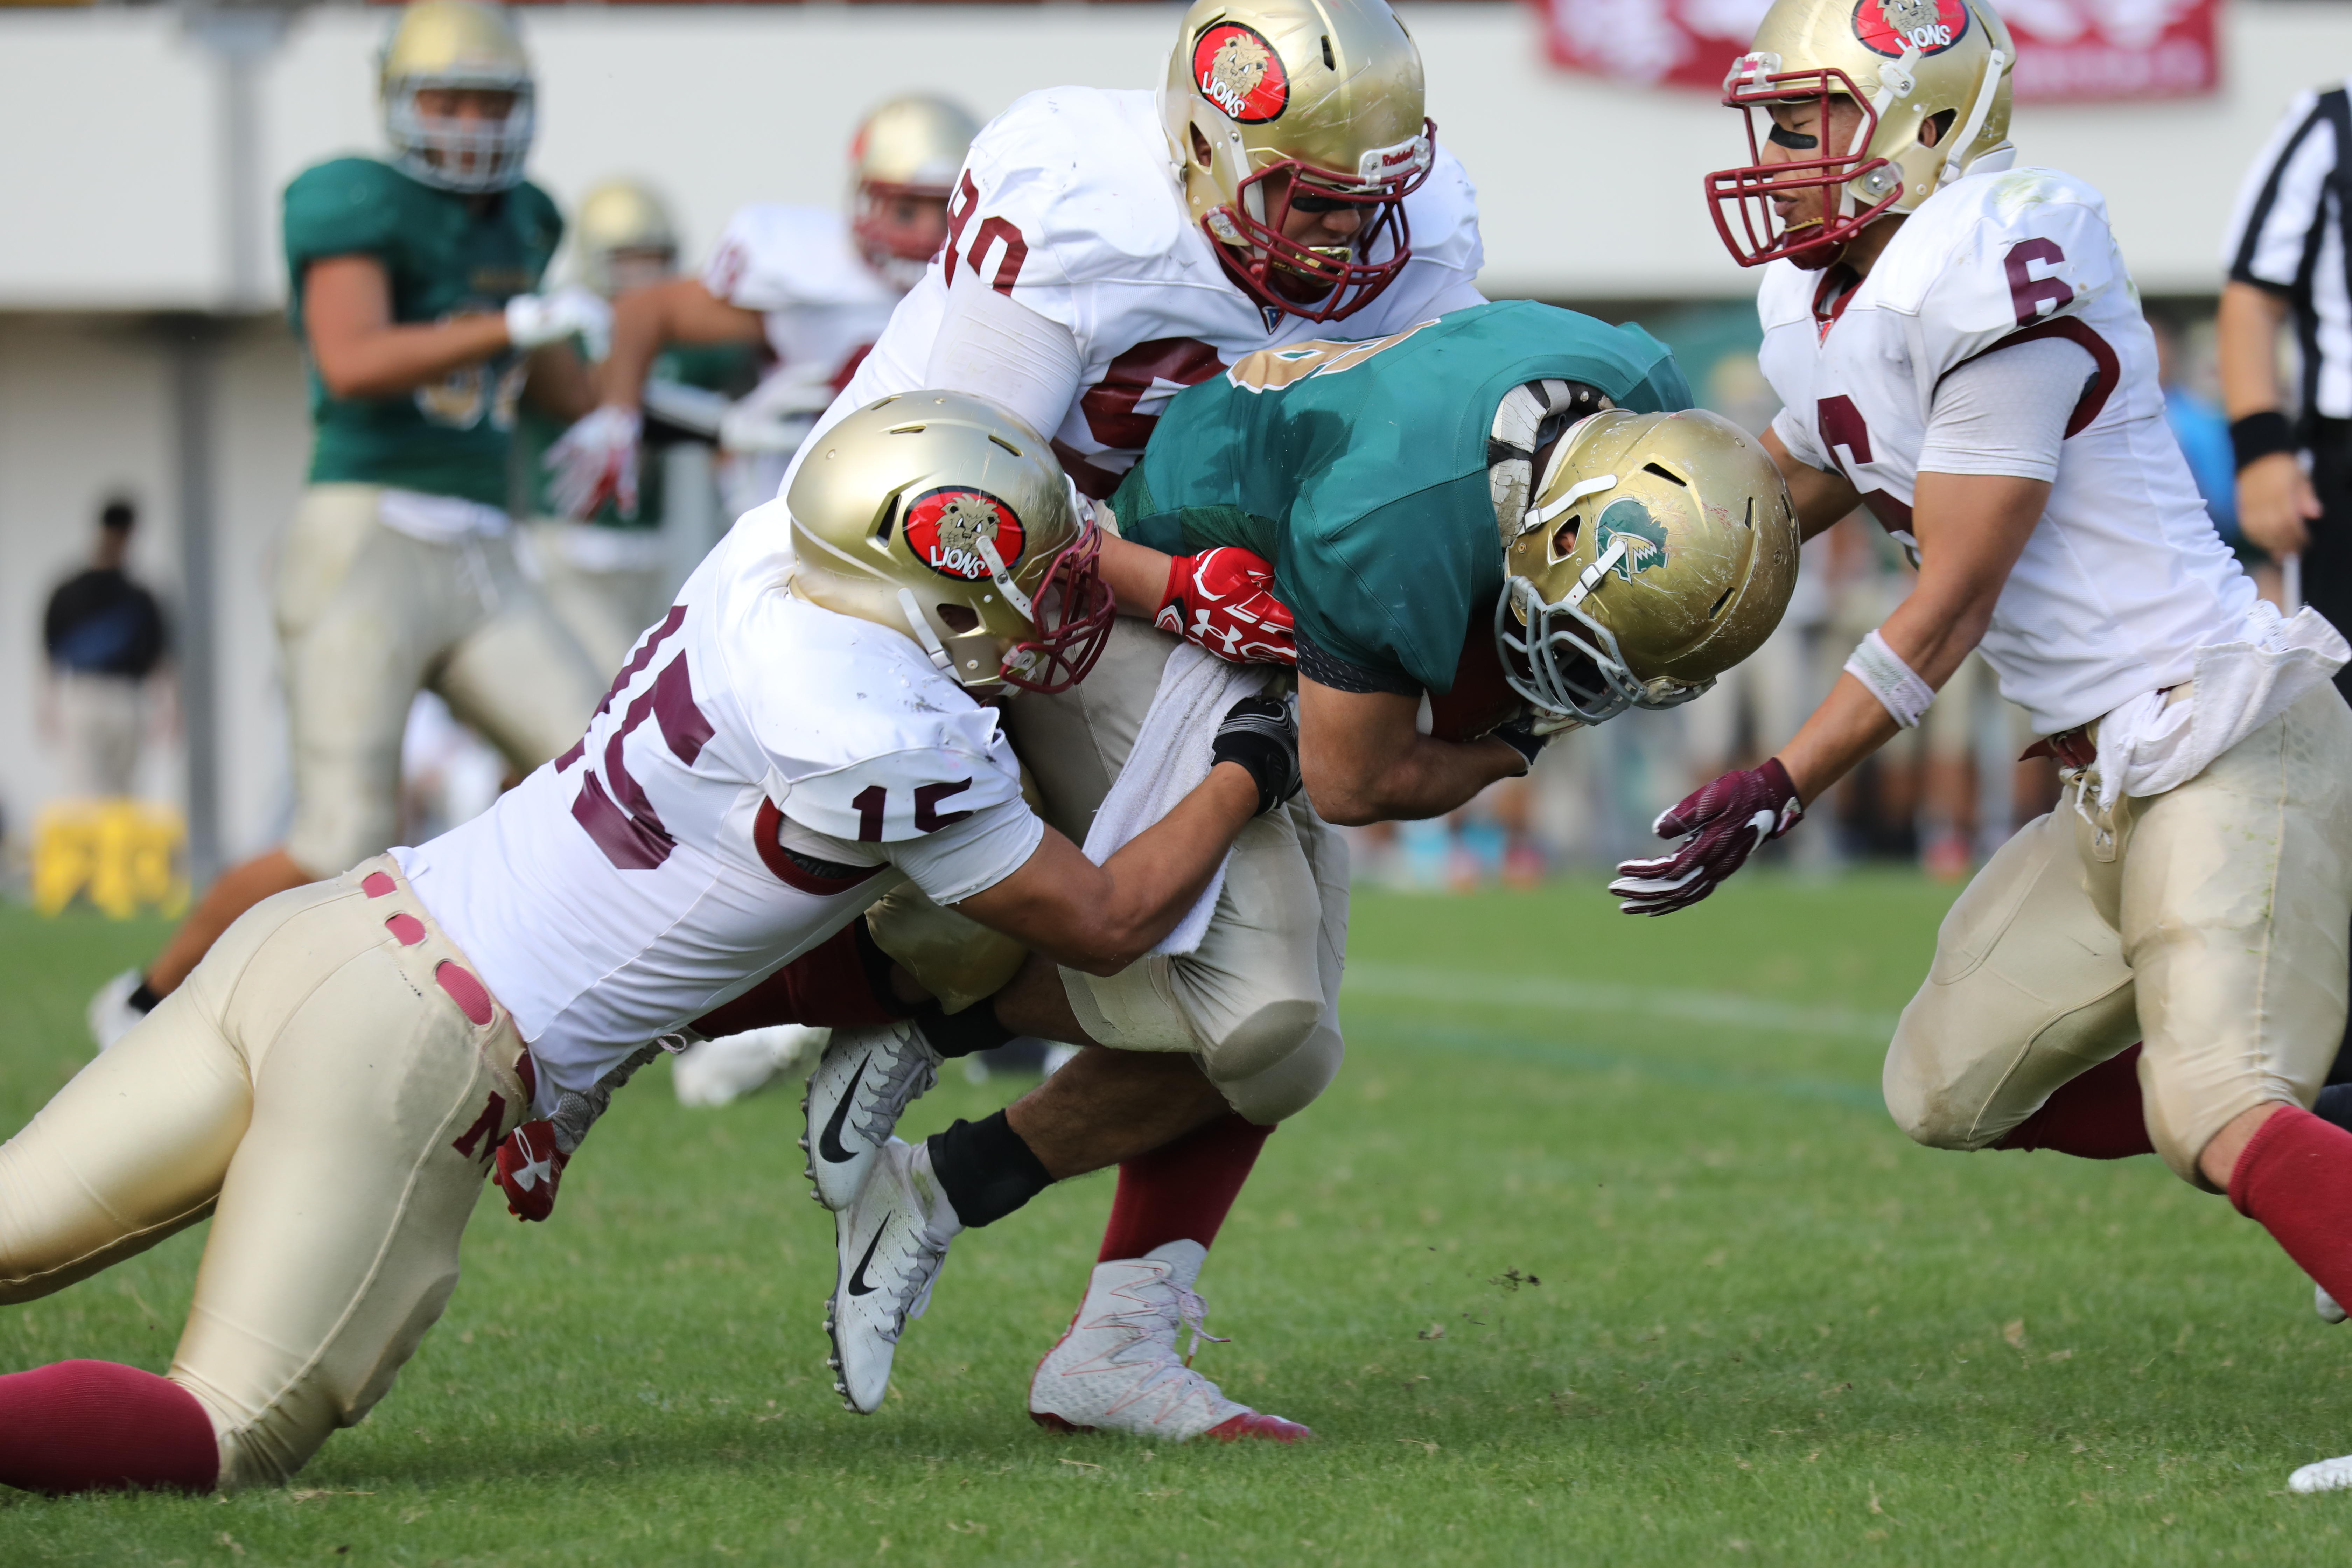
[[865, 1083], [110, 1014], [890, 1245], [1116, 1369], [2327, 1476], [2324, 1305], [719, 1072]]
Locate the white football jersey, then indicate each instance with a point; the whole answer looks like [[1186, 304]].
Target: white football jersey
[[2124, 578], [801, 269], [762, 771], [1067, 202]]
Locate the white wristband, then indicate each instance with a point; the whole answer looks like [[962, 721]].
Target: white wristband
[[1896, 686]]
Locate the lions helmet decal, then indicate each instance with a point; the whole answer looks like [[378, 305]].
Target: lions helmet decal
[[1890, 26], [1239, 72], [945, 527]]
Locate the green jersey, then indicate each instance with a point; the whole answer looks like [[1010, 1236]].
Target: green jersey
[[441, 256], [732, 369], [1360, 471]]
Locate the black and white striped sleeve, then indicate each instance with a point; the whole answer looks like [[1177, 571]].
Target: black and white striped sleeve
[[2282, 205]]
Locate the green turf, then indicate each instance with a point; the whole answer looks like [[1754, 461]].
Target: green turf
[[1767, 1328]]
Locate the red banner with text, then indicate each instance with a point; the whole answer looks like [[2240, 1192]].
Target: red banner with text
[[2068, 51]]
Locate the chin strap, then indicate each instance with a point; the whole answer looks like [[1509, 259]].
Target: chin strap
[[922, 630], [1599, 483]]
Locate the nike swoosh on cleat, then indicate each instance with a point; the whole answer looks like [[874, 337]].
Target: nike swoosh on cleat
[[858, 1286], [829, 1146]]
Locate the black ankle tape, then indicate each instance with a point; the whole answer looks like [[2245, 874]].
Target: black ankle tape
[[144, 998], [986, 1169], [964, 1034], [877, 964]]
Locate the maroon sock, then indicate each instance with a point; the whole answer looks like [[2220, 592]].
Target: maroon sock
[[2095, 1115], [2295, 1179], [92, 1426], [1183, 1190]]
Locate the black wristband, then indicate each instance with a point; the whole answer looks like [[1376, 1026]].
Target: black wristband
[[964, 1034], [2258, 435], [1519, 734], [986, 1169]]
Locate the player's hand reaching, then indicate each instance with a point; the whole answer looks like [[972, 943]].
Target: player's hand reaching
[[529, 1167], [1719, 826], [1223, 600], [594, 460], [1261, 733]]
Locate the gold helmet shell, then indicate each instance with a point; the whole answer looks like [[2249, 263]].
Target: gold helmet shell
[[457, 44], [942, 516], [1660, 551], [621, 218], [911, 146], [1905, 64], [1328, 90]]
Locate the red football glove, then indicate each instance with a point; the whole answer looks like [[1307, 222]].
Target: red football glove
[[1222, 599], [529, 1167], [1720, 826]]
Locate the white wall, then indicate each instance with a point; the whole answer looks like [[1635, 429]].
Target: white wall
[[1590, 189]]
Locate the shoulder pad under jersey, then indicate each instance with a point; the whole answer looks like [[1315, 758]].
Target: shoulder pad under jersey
[[777, 258], [1081, 175], [1993, 255]]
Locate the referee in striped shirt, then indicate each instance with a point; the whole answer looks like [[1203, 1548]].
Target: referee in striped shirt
[[2288, 256]]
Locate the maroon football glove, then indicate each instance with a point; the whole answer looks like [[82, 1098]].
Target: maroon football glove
[[1222, 599], [529, 1167], [1719, 826]]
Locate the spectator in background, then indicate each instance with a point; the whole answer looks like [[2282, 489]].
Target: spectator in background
[[105, 638], [2203, 433], [2286, 258]]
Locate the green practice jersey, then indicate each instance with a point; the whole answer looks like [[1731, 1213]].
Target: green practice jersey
[[1359, 470], [732, 369], [442, 257]]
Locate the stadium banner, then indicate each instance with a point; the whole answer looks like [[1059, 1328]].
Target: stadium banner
[[2068, 51]]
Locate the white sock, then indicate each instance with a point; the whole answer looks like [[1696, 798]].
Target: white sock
[[939, 1213]]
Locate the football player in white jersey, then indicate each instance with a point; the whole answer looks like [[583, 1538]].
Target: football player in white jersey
[[792, 741], [1105, 249], [1958, 347], [814, 286]]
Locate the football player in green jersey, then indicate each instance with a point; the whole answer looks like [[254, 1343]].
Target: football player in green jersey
[[609, 575], [412, 286], [1444, 521]]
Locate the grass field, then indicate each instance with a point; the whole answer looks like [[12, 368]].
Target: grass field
[[1601, 1250]]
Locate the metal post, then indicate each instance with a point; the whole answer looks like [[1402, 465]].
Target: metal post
[[192, 343]]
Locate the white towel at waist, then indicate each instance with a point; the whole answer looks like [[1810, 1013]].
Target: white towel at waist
[[1169, 760], [2159, 742]]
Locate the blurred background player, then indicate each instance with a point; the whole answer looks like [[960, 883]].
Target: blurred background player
[[609, 575], [105, 638], [815, 286], [412, 285]]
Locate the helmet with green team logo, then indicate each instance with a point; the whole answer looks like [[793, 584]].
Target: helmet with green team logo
[[445, 64], [942, 516], [624, 238], [1660, 550]]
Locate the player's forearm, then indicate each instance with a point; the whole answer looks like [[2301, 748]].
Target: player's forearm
[[1422, 777], [2245, 348], [559, 385], [1160, 874], [1848, 726], [1135, 574], [385, 361]]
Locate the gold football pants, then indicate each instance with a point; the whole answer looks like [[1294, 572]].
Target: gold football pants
[[1259, 999], [2208, 922], [316, 1089], [367, 617]]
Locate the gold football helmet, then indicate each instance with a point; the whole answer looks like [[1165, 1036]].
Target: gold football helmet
[[1326, 93], [942, 516], [909, 147], [462, 45], [623, 237], [1660, 551], [1905, 64]]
